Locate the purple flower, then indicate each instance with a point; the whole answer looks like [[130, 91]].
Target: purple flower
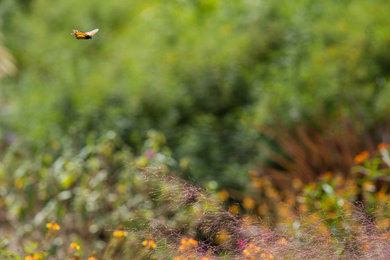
[[150, 154], [242, 243]]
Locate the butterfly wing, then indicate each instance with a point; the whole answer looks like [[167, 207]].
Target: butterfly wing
[[92, 33]]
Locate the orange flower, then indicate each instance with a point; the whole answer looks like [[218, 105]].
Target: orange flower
[[251, 250], [149, 243], [361, 157], [383, 146], [74, 245], [179, 258], [34, 256], [234, 209], [283, 241], [222, 236], [223, 194], [92, 258], [248, 203], [120, 233], [192, 242], [187, 243], [53, 226]]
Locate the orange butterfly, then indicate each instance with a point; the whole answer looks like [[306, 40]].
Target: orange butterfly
[[86, 35]]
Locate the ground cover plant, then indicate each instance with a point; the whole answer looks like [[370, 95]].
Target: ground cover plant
[[108, 203]]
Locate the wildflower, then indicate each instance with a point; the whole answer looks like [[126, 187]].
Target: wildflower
[[121, 188], [149, 243], [142, 161], [53, 226], [242, 243], [251, 250], [179, 258], [234, 209], [92, 258], [312, 185], [222, 236], [187, 243], [257, 182], [383, 146], [365, 247], [248, 203], [192, 242], [223, 195], [381, 195], [34, 256], [262, 209], [265, 255], [361, 157], [120, 233], [283, 241], [74, 245], [150, 154], [327, 176]]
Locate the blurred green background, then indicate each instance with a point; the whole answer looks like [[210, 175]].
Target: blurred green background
[[204, 73], [210, 89]]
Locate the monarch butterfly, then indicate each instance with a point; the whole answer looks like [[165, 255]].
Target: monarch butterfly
[[86, 35]]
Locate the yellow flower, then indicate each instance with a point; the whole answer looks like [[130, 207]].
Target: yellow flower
[[223, 195], [361, 157], [234, 209], [187, 243], [192, 242], [283, 241], [222, 236], [248, 203], [34, 256], [251, 250], [179, 258], [74, 245], [92, 258], [53, 226], [149, 243], [120, 233]]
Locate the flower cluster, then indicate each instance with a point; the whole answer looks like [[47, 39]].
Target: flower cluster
[[251, 251], [53, 226], [149, 243], [187, 243]]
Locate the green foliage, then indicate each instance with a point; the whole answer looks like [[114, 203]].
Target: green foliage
[[202, 72], [91, 192]]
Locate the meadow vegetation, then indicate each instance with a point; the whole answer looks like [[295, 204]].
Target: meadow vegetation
[[194, 129]]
